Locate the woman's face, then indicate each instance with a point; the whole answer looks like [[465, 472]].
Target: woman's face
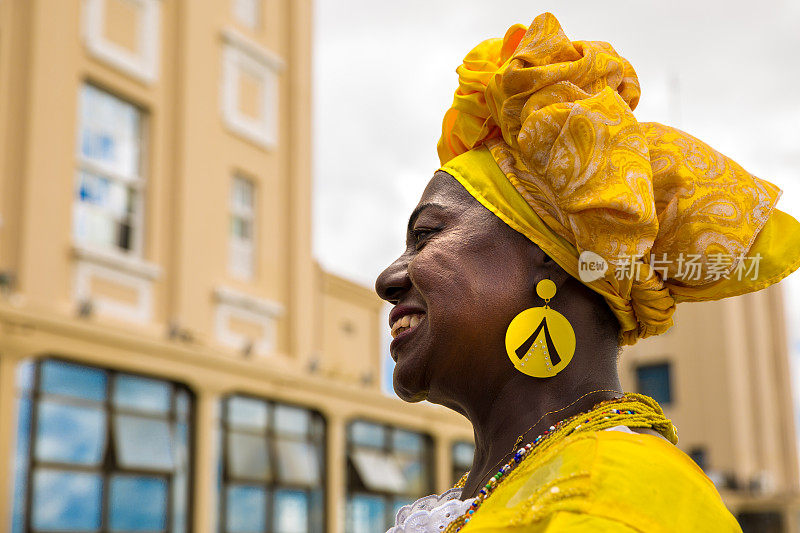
[[463, 276]]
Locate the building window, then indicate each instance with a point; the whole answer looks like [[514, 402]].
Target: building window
[[250, 90], [699, 456], [242, 226], [761, 522], [462, 459], [100, 451], [387, 468], [124, 34], [108, 193], [272, 468], [655, 381], [247, 13]]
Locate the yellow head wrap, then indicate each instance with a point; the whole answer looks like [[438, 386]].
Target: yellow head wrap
[[542, 133]]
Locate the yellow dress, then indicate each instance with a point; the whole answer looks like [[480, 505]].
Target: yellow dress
[[605, 481]]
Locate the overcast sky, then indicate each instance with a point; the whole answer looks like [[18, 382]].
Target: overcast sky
[[384, 74]]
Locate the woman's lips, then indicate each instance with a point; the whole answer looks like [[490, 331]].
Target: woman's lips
[[403, 328], [405, 323]]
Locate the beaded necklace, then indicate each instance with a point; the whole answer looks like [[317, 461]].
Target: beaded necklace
[[521, 438], [632, 410]]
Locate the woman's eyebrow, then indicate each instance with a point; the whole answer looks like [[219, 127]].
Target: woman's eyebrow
[[419, 209]]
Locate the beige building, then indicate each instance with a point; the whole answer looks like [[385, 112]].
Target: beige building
[[722, 375], [171, 357]]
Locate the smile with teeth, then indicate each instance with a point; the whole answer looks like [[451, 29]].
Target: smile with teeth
[[405, 323]]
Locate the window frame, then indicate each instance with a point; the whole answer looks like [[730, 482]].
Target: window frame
[[458, 468], [668, 365], [389, 498], [109, 465], [241, 249], [136, 183], [273, 485]]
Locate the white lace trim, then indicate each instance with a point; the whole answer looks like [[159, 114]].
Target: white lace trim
[[430, 514]]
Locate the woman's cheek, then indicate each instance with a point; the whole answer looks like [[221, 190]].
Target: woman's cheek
[[427, 271]]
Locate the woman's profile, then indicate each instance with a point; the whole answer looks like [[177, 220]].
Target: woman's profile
[[558, 230]]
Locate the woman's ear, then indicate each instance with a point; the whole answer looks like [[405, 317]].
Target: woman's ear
[[553, 271]]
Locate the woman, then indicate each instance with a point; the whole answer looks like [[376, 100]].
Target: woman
[[558, 230]]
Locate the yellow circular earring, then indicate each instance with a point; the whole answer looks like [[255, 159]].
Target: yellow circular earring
[[540, 341]]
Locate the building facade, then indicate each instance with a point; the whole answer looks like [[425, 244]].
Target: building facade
[[171, 357], [722, 375]]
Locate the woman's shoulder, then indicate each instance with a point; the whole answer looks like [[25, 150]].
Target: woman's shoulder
[[638, 481]]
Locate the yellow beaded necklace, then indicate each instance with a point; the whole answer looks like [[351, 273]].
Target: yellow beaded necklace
[[632, 410]]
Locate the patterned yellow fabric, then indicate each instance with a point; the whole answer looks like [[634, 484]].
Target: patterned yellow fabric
[[658, 205], [586, 484]]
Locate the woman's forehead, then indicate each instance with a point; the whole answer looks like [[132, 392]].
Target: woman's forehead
[[446, 190]]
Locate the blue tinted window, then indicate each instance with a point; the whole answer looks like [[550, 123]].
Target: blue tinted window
[[383, 479], [180, 488], [291, 511], [109, 131], [142, 394], [182, 405], [415, 474], [462, 454], [179, 501], [138, 478], [112, 197], [366, 434], [66, 500], [73, 380], [138, 503], [247, 412], [246, 509], [21, 463], [366, 514], [292, 420], [143, 443], [317, 511], [271, 467], [248, 457], [654, 381], [407, 441], [70, 434], [24, 378], [298, 463], [181, 444]]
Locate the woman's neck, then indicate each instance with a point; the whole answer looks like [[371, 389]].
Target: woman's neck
[[524, 411]]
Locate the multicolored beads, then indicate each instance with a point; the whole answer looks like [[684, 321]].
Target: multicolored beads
[[600, 420]]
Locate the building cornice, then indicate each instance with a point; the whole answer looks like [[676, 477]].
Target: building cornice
[[30, 333]]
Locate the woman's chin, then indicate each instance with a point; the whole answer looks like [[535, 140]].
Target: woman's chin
[[407, 387]]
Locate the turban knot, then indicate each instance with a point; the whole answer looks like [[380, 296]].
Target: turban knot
[[673, 219]]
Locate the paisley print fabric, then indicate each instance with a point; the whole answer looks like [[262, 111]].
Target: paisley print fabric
[[650, 200]]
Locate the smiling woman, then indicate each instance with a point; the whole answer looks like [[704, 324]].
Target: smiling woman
[[545, 165]]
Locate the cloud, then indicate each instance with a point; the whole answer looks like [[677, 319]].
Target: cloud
[[384, 75]]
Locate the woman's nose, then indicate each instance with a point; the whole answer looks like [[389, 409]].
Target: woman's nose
[[393, 282]]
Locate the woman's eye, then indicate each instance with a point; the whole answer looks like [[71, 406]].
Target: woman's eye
[[418, 235]]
